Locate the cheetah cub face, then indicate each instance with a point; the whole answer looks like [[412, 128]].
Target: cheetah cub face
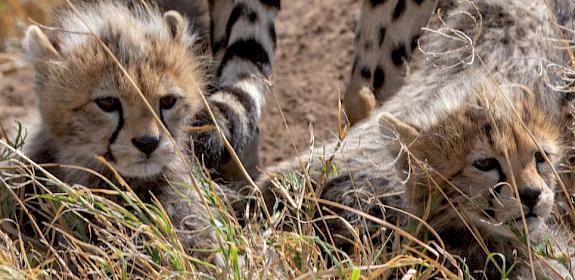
[[473, 155], [90, 107]]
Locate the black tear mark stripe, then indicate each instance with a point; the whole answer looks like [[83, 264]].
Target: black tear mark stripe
[[114, 136], [250, 50], [162, 119], [119, 127], [502, 177]]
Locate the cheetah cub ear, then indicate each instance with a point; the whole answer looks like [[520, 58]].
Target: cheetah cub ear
[[399, 134], [392, 127], [176, 24], [38, 46]]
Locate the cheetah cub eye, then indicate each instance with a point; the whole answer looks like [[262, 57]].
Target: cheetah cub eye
[[486, 164], [539, 158], [167, 102], [109, 104]]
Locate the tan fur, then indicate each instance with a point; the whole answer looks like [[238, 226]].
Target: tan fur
[[487, 128], [359, 107], [74, 70]]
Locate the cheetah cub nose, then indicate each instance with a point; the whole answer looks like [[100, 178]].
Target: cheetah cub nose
[[529, 197], [146, 144]]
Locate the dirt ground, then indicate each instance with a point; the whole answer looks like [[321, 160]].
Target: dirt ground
[[312, 64]]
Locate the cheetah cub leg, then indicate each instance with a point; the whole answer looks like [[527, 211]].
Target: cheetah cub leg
[[243, 82], [386, 38]]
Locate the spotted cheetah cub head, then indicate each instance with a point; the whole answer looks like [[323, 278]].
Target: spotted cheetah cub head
[[90, 106], [466, 155]]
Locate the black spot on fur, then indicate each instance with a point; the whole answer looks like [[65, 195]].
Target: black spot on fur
[[365, 72], [381, 35], [272, 3], [399, 9], [376, 2], [367, 45], [253, 17], [378, 77], [398, 55], [250, 50], [418, 2]]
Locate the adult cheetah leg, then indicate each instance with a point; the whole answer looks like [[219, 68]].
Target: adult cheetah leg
[[244, 50], [386, 37], [219, 14]]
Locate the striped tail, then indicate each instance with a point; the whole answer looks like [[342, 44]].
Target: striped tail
[[243, 82]]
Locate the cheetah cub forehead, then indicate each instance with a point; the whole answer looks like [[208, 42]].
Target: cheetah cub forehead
[[473, 155], [90, 107]]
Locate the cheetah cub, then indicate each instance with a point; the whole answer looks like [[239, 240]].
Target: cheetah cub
[[469, 145], [90, 107]]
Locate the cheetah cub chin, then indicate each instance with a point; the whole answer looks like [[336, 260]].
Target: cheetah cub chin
[[90, 107]]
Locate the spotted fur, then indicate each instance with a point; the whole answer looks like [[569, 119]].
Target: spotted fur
[[386, 38], [476, 121]]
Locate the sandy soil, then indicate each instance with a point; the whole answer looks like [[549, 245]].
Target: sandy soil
[[313, 61]]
